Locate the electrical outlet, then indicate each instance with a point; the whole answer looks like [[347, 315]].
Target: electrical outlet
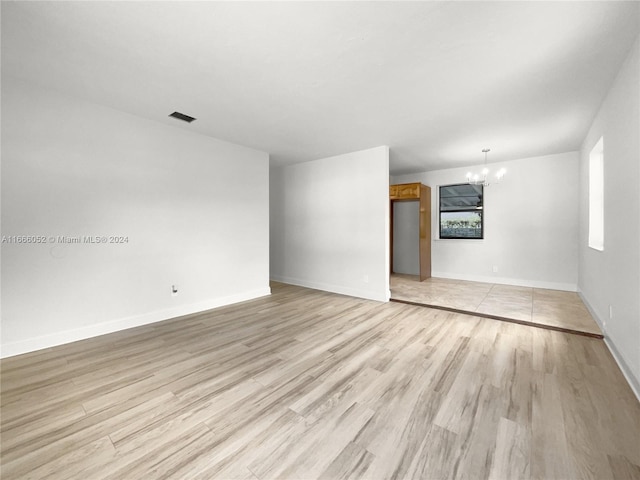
[[365, 279], [495, 269], [174, 290]]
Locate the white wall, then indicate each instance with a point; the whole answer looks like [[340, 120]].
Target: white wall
[[530, 225], [330, 224], [612, 277], [406, 237], [194, 209]]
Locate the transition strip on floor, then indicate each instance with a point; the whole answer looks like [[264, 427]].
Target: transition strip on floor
[[502, 319]]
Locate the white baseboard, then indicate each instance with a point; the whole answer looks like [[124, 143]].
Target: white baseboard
[[624, 366], [568, 287], [68, 336], [633, 382], [383, 296]]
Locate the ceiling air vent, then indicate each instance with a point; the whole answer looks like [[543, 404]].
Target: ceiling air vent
[[182, 116]]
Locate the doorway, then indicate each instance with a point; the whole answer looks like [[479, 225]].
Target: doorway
[[411, 223]]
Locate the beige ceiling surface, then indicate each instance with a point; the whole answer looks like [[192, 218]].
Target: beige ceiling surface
[[435, 81]]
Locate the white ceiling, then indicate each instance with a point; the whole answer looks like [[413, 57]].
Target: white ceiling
[[435, 81]]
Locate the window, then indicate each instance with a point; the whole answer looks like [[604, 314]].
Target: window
[[461, 211], [596, 196]]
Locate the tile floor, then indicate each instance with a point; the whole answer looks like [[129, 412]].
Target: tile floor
[[537, 305]]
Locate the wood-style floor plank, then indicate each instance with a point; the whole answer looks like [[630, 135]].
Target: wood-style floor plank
[[308, 384]]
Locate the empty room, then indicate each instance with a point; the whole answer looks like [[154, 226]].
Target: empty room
[[320, 240]]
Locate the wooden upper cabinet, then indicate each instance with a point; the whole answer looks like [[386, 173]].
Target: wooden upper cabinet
[[404, 191]]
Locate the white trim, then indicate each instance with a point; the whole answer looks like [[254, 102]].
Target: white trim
[[68, 336], [633, 382], [339, 289], [624, 366], [593, 312], [569, 287]]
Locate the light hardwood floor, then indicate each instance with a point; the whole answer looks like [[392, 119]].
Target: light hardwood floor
[[538, 306], [306, 384]]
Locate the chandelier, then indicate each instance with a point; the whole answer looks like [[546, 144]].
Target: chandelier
[[483, 177]]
